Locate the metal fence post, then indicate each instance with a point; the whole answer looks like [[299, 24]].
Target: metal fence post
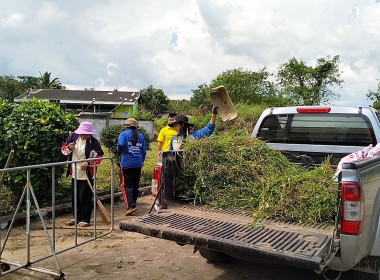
[[28, 216]]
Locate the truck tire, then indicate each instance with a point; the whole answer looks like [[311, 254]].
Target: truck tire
[[213, 256]]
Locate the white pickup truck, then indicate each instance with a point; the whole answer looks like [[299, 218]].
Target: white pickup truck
[[306, 135]]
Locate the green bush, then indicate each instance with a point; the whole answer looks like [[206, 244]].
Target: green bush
[[35, 130], [109, 136], [199, 122], [160, 124], [144, 116], [247, 118], [6, 109], [249, 112], [149, 164]]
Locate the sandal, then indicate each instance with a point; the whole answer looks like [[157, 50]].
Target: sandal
[[83, 224]]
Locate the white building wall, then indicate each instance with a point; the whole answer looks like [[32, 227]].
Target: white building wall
[[100, 123]]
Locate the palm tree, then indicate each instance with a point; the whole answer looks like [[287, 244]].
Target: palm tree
[[45, 83]]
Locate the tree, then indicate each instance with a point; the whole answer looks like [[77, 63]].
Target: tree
[[201, 99], [180, 106], [374, 96], [10, 88], [35, 130], [29, 81], [305, 85], [109, 137], [44, 82], [245, 86], [154, 101]]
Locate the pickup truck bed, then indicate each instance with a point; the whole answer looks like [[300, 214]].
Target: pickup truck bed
[[229, 231]]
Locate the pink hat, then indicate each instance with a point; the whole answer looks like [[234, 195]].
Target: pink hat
[[85, 128]]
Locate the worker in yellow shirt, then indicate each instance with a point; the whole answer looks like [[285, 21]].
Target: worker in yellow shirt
[[165, 135]]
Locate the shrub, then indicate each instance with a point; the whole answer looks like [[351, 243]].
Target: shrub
[[6, 109], [199, 122], [144, 116], [109, 136], [160, 123], [247, 118], [149, 164], [35, 130], [249, 112]]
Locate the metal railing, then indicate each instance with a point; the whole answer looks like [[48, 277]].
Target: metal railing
[[29, 194]]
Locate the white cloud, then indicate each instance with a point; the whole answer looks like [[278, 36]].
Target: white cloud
[[178, 45], [12, 20]]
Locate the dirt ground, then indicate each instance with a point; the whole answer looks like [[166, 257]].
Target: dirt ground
[[128, 255]]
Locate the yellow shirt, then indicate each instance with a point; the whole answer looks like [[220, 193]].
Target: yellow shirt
[[165, 136]]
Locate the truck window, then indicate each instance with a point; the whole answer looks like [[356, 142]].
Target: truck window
[[322, 129]]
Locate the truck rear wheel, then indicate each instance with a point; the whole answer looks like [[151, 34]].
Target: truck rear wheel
[[213, 256]]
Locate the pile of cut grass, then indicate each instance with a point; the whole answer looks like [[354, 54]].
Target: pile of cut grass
[[235, 171]]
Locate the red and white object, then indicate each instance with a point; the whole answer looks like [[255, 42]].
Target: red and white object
[[352, 209], [156, 179]]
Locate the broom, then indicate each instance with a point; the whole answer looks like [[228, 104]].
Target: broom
[[106, 217]]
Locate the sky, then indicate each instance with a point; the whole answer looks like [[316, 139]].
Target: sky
[[178, 45]]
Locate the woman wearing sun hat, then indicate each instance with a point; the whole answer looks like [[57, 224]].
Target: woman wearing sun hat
[[81, 144], [132, 144]]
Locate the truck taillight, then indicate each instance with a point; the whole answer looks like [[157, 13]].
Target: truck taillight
[[352, 211], [156, 179], [313, 110]]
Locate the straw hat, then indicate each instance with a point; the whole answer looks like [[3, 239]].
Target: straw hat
[[85, 128], [131, 122]]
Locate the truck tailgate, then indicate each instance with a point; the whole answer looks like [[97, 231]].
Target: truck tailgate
[[229, 232]]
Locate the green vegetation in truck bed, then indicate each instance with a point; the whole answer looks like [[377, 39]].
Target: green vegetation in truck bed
[[235, 171]]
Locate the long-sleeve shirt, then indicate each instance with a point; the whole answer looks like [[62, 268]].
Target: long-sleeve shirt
[[133, 156], [177, 140], [92, 149]]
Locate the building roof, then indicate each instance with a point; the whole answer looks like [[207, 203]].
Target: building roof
[[82, 96]]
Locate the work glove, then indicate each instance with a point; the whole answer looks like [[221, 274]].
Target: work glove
[[214, 110]]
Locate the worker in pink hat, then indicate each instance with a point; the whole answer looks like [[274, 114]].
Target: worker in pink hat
[[80, 145]]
